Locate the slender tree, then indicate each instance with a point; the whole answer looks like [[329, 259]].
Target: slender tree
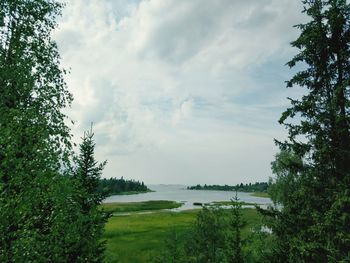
[[87, 177], [89, 172], [313, 222], [235, 242]]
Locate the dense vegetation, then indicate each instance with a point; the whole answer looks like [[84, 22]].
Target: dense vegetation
[[141, 238], [140, 206], [220, 235], [49, 208], [50, 199], [312, 183], [114, 186], [86, 176], [256, 187]]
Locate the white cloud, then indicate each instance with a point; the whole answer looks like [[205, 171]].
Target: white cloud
[[180, 91]]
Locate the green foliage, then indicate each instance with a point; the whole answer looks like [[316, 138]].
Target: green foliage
[[286, 167], [114, 186], [261, 194], [217, 235], [174, 249], [256, 187], [232, 202], [236, 224], [46, 215], [139, 206], [209, 236], [87, 176], [36, 205], [138, 238], [259, 245], [220, 235], [313, 168]]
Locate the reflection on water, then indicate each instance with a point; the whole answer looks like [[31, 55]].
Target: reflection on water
[[179, 193]]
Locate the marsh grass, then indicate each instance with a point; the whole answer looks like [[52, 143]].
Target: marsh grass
[[119, 207], [137, 238], [260, 194], [229, 203]]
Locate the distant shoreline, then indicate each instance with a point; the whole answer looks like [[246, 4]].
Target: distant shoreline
[[256, 194], [260, 188]]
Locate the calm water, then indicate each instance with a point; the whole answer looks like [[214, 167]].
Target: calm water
[[179, 193]]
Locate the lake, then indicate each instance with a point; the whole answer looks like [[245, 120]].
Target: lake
[[179, 193]]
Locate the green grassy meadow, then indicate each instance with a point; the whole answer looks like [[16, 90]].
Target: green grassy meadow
[[136, 238], [229, 203], [260, 194], [139, 206]]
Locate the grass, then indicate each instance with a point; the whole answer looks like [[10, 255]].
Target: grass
[[229, 203], [140, 206], [136, 238], [260, 194]]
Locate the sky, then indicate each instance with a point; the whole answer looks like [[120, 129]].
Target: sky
[[180, 92]]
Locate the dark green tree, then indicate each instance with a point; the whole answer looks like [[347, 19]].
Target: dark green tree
[[236, 223], [286, 167], [89, 172], [114, 186], [313, 168], [208, 242], [87, 177]]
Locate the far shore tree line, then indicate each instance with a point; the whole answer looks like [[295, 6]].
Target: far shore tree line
[[114, 186], [255, 187]]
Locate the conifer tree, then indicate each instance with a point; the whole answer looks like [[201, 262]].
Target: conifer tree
[[87, 177], [313, 224], [235, 242]]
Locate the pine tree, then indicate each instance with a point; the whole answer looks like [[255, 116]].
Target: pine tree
[[87, 177], [236, 224], [313, 224]]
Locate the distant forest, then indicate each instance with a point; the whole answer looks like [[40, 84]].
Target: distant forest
[[114, 186], [256, 187]]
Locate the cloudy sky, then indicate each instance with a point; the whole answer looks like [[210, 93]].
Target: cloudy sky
[[180, 91]]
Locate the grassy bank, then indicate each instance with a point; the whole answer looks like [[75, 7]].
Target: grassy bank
[[132, 192], [135, 238], [260, 194], [229, 203], [119, 207]]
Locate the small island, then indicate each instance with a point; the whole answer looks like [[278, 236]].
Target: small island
[[114, 186], [257, 189]]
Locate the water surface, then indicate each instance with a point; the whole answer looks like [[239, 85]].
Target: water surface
[[179, 193]]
